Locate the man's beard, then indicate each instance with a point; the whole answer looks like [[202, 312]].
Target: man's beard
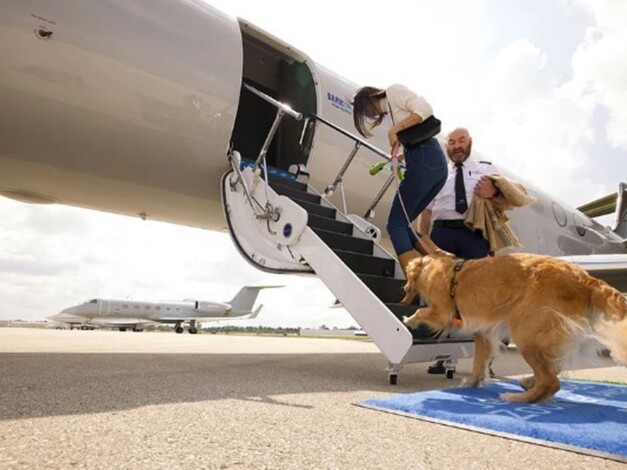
[[462, 155]]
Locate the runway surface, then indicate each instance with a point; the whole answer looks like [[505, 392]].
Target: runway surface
[[105, 399]]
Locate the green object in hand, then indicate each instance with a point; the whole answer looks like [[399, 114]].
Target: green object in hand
[[376, 168], [400, 173]]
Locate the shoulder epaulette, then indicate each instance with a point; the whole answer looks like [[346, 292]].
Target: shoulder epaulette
[[486, 162]]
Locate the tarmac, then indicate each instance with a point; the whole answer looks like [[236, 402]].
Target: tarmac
[[105, 399]]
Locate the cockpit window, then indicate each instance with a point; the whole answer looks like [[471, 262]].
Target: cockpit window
[[93, 301]]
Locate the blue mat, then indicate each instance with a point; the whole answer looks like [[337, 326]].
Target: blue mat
[[585, 417]]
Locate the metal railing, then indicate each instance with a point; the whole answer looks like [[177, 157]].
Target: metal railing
[[269, 212], [339, 179]]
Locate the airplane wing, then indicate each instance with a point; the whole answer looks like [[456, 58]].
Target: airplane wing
[[609, 268], [229, 319], [602, 206], [122, 322]]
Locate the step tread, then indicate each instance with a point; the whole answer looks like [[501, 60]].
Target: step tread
[[341, 241]]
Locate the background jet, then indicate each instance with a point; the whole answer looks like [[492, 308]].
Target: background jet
[[124, 314]]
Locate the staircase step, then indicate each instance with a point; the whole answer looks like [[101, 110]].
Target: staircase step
[[295, 194], [332, 225], [316, 209], [337, 241], [290, 183], [276, 174], [367, 264], [388, 289]]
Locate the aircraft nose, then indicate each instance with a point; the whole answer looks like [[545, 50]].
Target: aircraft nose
[[69, 311]]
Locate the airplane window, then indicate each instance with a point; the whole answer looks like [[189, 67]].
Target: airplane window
[[178, 309], [167, 308], [560, 214], [580, 225], [136, 306], [124, 306], [147, 307]]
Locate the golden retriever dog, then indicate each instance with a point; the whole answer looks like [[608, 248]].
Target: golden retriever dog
[[546, 305]]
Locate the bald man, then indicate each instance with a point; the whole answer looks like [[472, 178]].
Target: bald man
[[444, 217]]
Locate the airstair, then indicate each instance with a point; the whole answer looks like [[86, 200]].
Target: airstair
[[285, 226]]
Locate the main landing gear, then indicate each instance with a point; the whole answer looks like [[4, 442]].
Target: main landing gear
[[178, 328]]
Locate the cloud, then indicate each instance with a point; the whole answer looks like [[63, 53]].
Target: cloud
[[534, 125], [599, 66]]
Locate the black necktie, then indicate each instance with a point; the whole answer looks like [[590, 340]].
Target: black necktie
[[461, 205]]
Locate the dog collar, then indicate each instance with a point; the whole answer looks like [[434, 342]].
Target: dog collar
[[459, 264]]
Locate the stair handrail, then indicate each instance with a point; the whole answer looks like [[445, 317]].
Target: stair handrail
[[339, 179], [282, 109], [270, 212]]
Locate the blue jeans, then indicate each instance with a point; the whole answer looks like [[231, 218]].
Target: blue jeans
[[425, 175]]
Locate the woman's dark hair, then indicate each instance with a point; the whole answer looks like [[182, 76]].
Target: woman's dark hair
[[363, 109]]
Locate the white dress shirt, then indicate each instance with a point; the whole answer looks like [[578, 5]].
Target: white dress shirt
[[443, 205]]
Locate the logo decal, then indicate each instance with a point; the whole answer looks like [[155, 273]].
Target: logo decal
[[339, 103]]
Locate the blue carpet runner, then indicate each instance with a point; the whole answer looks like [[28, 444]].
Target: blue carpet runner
[[585, 417]]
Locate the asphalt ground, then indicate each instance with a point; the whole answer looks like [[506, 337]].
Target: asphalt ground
[[105, 399]]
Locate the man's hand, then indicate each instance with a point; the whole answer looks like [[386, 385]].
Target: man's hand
[[485, 188]]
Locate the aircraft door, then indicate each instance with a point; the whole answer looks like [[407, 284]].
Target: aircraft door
[[297, 89], [283, 74], [104, 307]]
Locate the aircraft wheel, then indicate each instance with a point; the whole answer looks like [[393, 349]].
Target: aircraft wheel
[[178, 329], [122, 329], [193, 331], [392, 378], [450, 373]]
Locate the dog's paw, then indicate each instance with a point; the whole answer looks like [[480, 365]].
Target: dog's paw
[[407, 322], [527, 383], [514, 397], [472, 382]]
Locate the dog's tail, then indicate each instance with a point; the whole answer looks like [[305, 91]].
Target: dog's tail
[[611, 322]]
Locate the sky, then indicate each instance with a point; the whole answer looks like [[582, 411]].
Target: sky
[[541, 85]]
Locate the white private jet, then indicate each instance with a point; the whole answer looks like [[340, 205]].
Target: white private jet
[[169, 110], [135, 314]]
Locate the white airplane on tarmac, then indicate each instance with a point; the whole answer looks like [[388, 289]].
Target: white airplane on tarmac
[[135, 314], [175, 111]]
